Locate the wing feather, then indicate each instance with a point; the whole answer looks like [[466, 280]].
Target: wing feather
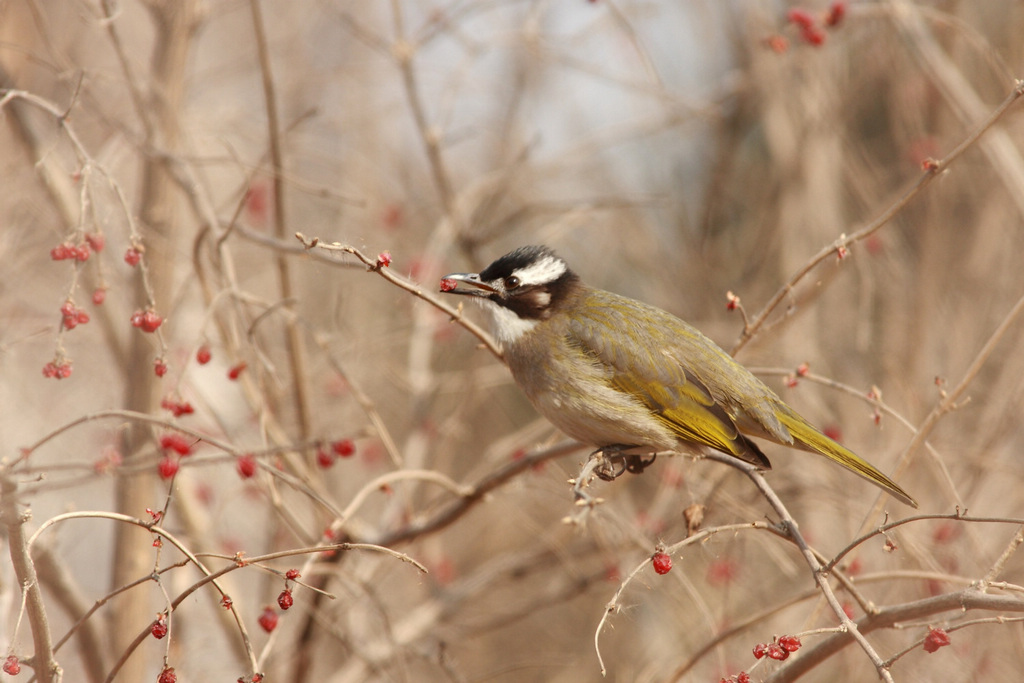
[[641, 362]]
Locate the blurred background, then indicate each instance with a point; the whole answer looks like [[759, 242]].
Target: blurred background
[[670, 151]]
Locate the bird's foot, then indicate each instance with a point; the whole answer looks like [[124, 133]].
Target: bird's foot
[[613, 462]]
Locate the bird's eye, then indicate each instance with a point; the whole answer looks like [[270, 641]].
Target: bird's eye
[[511, 282]]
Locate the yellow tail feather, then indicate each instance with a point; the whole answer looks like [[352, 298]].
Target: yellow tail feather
[[810, 439]]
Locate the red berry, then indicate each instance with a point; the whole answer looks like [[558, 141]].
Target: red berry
[[448, 284], [246, 466], [226, 602], [176, 442], [132, 256], [268, 620], [836, 12], [159, 627], [662, 563], [147, 321], [776, 652], [813, 36], [743, 677], [11, 665], [203, 355], [292, 574], [96, 240], [177, 408], [384, 259], [237, 370], [935, 639], [56, 370], [60, 252], [722, 572], [324, 458], [760, 650], [789, 643], [167, 676], [343, 447], [168, 467], [801, 17], [159, 367], [99, 295], [81, 252], [777, 44], [285, 600]]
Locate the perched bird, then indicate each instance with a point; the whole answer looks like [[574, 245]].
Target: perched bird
[[627, 377]]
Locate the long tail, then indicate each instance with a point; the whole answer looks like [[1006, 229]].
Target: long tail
[[810, 439]]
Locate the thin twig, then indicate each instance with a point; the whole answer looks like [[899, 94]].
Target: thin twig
[[409, 286], [933, 169]]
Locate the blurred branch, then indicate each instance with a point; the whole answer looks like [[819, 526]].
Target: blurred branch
[[45, 664], [62, 588], [792, 530], [874, 399], [888, 617], [881, 530], [999, 147], [838, 249], [413, 288], [293, 342]]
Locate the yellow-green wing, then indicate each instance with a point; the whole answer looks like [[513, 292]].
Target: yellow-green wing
[[639, 363]]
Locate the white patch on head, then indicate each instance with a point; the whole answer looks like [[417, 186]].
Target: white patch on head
[[548, 269], [509, 327]]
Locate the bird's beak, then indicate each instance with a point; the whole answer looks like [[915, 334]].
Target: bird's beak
[[465, 283]]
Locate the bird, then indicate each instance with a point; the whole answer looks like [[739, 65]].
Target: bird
[[629, 378]]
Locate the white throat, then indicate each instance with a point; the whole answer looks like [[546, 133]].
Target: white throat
[[509, 327]]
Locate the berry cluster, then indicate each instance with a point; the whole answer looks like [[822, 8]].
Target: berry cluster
[[810, 25], [807, 23], [778, 650], [741, 677], [73, 316], [177, 408], [148, 320], [57, 369], [176, 442], [132, 256], [65, 251]]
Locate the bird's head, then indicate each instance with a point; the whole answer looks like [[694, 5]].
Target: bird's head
[[521, 288]]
